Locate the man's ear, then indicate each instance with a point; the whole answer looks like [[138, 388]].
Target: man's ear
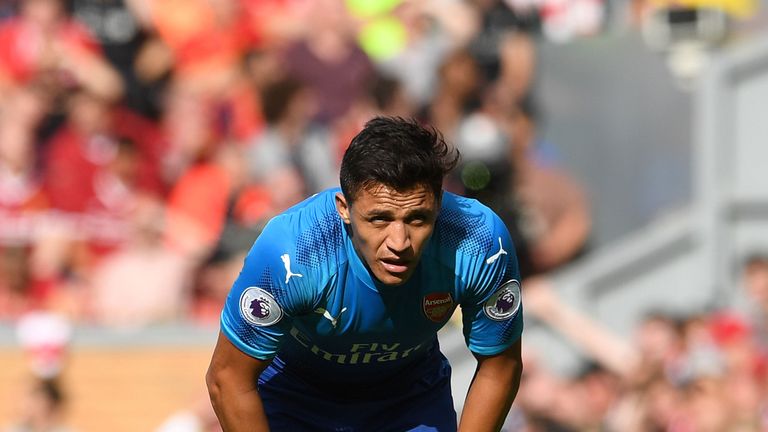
[[342, 207]]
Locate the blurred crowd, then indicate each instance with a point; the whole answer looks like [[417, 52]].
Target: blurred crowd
[[704, 371], [144, 143]]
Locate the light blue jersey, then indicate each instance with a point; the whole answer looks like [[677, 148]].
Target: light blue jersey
[[305, 298]]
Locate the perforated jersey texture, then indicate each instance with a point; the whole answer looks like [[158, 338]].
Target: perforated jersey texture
[[454, 233], [320, 241]]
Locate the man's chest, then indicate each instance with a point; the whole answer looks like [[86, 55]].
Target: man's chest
[[386, 323]]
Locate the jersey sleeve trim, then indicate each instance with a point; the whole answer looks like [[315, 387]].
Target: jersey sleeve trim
[[498, 349], [242, 346]]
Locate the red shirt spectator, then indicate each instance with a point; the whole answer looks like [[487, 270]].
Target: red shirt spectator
[[25, 51], [202, 36], [97, 165], [43, 44]]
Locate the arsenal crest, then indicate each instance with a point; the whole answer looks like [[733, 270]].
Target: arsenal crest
[[437, 306]]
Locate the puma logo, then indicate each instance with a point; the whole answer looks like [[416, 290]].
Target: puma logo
[[327, 315], [496, 256], [287, 263]]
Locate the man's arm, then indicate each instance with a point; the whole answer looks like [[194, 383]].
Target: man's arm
[[232, 385], [492, 391]]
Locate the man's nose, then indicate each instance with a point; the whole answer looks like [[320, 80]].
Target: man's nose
[[398, 237]]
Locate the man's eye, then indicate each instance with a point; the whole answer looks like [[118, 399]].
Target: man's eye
[[417, 221]]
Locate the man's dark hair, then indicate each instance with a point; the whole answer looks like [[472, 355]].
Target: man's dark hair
[[399, 153]]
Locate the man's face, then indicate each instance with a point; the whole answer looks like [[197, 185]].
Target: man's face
[[390, 228]]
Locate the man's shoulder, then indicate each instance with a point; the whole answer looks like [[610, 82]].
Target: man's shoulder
[[310, 230], [317, 207], [468, 236], [466, 225]]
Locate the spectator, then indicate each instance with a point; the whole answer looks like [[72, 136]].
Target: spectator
[[517, 66], [159, 299], [432, 30], [213, 277], [498, 20], [42, 408], [538, 404], [123, 38], [45, 338], [97, 132], [43, 44], [753, 278], [702, 373], [390, 97], [291, 142], [328, 60], [209, 98], [209, 195], [275, 22], [23, 201], [705, 407], [457, 92], [660, 340], [487, 174], [8, 9], [606, 348], [385, 95], [555, 217], [97, 165], [206, 39]]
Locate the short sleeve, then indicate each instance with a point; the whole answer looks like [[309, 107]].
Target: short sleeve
[[492, 305], [270, 290]]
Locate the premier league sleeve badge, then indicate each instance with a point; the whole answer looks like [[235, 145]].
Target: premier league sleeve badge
[[259, 308], [505, 302]]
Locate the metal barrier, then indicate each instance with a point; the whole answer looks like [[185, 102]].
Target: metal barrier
[[686, 263]]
